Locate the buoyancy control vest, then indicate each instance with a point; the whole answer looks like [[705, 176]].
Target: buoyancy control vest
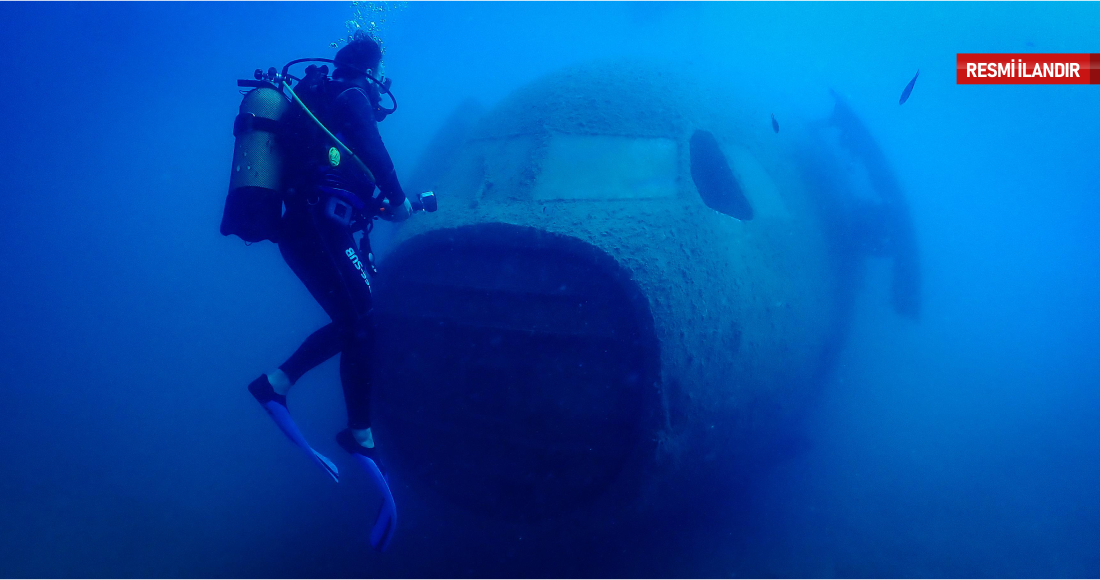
[[316, 160], [280, 141]]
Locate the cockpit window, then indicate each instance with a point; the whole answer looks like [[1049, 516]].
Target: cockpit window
[[715, 180], [607, 167]]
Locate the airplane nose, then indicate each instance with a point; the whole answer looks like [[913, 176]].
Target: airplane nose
[[516, 370]]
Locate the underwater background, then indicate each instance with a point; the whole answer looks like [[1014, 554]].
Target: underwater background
[[964, 444]]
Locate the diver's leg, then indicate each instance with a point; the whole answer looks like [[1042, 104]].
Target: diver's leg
[[332, 218], [303, 251], [320, 346], [355, 376], [357, 439], [355, 361]]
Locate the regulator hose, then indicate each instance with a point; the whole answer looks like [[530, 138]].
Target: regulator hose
[[344, 149]]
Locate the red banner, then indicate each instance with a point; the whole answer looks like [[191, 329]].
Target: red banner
[[1027, 69]]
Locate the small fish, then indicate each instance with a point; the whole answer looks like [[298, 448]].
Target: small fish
[[908, 89], [775, 124]]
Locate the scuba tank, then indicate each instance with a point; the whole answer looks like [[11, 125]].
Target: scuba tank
[[254, 206], [276, 132]]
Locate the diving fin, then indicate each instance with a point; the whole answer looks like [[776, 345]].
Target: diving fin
[[385, 521], [275, 405]]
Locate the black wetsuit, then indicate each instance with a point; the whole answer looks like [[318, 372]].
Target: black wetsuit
[[316, 237]]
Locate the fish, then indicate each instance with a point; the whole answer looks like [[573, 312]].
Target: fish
[[908, 89], [775, 124]]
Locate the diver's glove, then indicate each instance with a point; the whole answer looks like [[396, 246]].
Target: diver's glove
[[397, 213], [275, 405], [386, 521]]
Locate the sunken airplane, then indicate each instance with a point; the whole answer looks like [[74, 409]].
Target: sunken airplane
[[632, 287]]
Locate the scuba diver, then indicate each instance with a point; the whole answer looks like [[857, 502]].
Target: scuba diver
[[327, 199]]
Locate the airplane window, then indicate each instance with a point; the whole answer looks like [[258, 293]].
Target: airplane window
[[714, 179], [607, 167]]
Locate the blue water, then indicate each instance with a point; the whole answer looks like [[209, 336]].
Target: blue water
[[966, 444]]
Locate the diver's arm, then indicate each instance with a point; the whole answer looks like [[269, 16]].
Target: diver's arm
[[361, 131]]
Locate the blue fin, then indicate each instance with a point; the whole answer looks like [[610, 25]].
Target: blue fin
[[276, 407]]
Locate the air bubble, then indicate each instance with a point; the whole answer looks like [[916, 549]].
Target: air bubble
[[370, 19]]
